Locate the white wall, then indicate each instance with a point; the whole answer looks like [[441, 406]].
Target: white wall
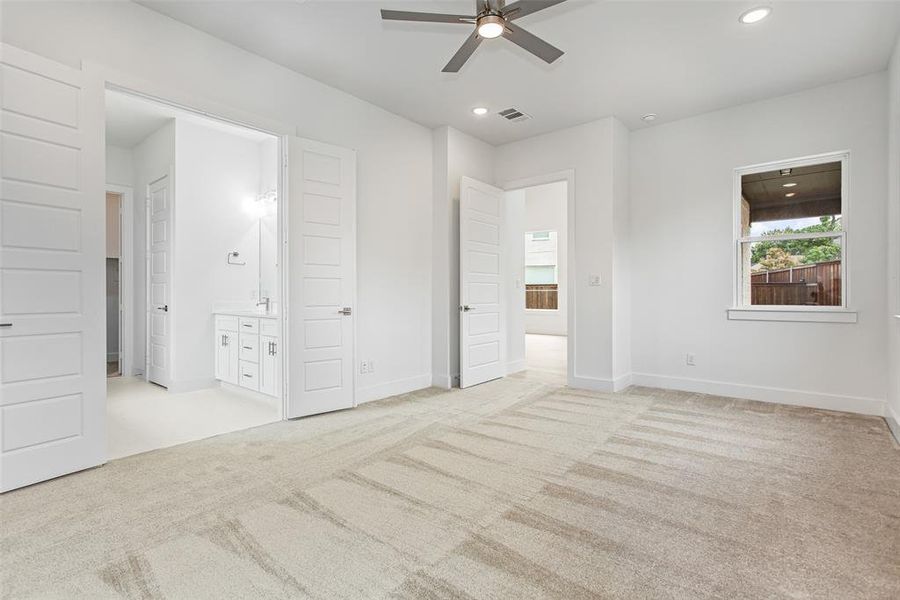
[[153, 158], [394, 179], [682, 252], [893, 274], [119, 167], [589, 151], [621, 263], [545, 210], [455, 154], [217, 172]]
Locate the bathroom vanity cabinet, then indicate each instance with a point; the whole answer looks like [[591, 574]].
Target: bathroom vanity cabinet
[[247, 351]]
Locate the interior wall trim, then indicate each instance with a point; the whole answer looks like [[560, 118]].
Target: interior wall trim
[[809, 399], [392, 388]]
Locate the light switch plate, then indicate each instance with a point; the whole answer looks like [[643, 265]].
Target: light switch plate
[[594, 280]]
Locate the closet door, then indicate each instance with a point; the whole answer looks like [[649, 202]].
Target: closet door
[[322, 277], [52, 281]]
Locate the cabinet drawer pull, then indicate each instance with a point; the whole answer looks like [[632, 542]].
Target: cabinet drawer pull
[[247, 325], [248, 347], [248, 375]]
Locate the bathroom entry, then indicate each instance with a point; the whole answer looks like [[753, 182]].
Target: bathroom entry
[[113, 284], [202, 280]]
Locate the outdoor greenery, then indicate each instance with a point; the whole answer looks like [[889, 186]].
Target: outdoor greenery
[[785, 254]]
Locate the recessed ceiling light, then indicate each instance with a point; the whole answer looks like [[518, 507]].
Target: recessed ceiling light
[[479, 110], [755, 15], [788, 184], [790, 194], [649, 117]]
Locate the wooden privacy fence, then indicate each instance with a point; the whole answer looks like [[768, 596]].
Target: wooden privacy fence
[[543, 296], [818, 284]]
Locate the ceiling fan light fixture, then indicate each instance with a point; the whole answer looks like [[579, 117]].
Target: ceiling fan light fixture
[[491, 26]]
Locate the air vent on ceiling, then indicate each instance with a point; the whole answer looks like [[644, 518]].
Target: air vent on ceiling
[[514, 114]]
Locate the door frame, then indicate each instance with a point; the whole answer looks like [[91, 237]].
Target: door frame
[[567, 175], [121, 81], [127, 302]]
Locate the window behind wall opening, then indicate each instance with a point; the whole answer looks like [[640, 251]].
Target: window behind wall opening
[[541, 271], [792, 236]]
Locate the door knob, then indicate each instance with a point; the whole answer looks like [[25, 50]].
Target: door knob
[[346, 311], [466, 308], [164, 308]]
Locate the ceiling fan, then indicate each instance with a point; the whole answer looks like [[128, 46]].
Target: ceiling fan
[[493, 19]]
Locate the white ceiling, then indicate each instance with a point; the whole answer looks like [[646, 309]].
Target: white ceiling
[[626, 59], [130, 119]]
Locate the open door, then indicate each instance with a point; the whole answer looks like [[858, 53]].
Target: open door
[[52, 271], [159, 247], [482, 320], [322, 277]]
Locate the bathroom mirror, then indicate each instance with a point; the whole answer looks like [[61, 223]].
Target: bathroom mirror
[[268, 255]]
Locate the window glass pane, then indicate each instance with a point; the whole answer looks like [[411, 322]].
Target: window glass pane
[[792, 272], [796, 200], [541, 274]]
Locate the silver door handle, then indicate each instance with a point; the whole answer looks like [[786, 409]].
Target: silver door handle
[[345, 311], [164, 308], [225, 340], [5, 324], [466, 308]]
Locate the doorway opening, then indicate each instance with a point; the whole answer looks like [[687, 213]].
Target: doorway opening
[[194, 300], [114, 309], [540, 253]]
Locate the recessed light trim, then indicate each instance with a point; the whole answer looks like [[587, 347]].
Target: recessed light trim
[[788, 185], [755, 15], [479, 111], [649, 117]]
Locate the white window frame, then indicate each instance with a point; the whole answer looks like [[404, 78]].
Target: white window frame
[[741, 308]]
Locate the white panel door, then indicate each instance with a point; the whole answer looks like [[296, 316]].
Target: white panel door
[[322, 277], [52, 271], [482, 318], [159, 206]]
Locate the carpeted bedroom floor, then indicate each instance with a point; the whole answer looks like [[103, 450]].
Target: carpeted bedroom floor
[[517, 488]]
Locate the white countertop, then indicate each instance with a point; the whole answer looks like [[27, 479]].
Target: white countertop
[[246, 313]]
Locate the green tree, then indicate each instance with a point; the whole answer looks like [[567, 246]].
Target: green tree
[[810, 251]]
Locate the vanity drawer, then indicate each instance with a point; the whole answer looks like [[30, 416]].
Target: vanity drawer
[[227, 323], [249, 347], [249, 375], [249, 325], [269, 327]]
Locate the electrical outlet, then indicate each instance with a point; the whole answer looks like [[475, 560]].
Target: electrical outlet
[[689, 359], [364, 366]]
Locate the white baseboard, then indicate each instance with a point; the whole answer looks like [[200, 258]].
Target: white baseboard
[[622, 381], [592, 383], [515, 366], [893, 421], [863, 406], [392, 388], [442, 381]]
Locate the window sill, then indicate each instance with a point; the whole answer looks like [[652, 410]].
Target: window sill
[[798, 314]]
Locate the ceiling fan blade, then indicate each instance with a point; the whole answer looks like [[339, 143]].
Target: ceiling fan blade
[[532, 43], [405, 15], [519, 9], [463, 54]]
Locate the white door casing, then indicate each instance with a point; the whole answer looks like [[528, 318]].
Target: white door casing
[[482, 318], [159, 273], [52, 270], [322, 277]]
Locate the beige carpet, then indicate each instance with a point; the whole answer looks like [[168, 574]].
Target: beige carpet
[[514, 489]]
